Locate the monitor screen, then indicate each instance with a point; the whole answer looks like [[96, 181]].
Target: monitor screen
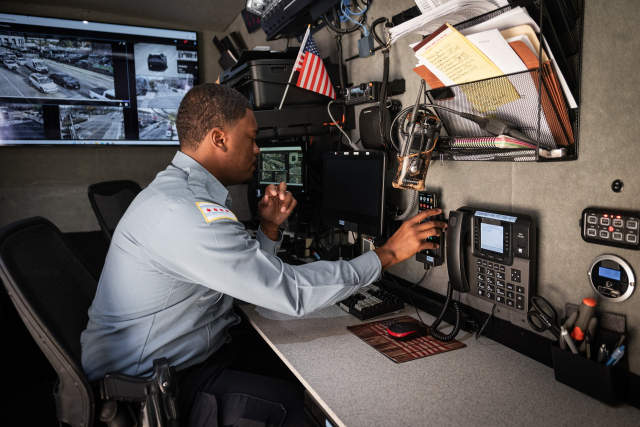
[[353, 190], [80, 82], [609, 273], [491, 237], [281, 164]]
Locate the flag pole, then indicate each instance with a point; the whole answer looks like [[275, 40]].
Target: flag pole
[[304, 41]]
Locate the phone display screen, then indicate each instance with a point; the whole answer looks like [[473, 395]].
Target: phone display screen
[[491, 237], [609, 273]]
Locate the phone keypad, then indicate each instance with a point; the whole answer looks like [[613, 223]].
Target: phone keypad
[[494, 284]]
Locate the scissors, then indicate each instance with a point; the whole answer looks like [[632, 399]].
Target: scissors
[[543, 316]]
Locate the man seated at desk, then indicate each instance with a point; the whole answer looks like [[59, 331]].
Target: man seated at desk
[[179, 257]]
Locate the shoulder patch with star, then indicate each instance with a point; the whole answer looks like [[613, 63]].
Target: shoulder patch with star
[[213, 212]]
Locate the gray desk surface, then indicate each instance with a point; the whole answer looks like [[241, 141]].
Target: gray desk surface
[[484, 384]]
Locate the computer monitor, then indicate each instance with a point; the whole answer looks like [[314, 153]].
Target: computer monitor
[[353, 191], [282, 164], [81, 82]]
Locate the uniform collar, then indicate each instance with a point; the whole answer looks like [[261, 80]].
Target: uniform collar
[[197, 173]]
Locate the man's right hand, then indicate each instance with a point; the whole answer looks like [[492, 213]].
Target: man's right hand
[[410, 239]]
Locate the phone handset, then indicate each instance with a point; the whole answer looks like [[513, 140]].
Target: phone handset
[[456, 235]]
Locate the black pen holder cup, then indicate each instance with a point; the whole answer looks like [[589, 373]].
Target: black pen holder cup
[[605, 383]]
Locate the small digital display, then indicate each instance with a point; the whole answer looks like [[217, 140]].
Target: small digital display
[[280, 164], [491, 237], [609, 273]]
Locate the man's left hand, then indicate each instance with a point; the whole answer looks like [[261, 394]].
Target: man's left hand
[[276, 206]]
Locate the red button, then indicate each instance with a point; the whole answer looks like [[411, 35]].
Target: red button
[[611, 229]]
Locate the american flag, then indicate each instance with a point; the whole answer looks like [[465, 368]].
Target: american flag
[[313, 74]]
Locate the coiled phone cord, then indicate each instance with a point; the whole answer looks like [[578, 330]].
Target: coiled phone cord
[[433, 330]]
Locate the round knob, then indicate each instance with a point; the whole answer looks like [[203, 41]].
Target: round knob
[[413, 169]]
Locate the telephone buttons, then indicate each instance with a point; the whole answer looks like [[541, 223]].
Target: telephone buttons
[[520, 305], [490, 288], [515, 275], [618, 223], [481, 285], [632, 238], [605, 221], [520, 250], [480, 292], [604, 234], [510, 286], [502, 268], [490, 273], [592, 219], [500, 283], [499, 259], [520, 289], [490, 295], [510, 294], [592, 232], [500, 275], [490, 265], [519, 298], [481, 277], [500, 291], [479, 262], [500, 299], [484, 263], [491, 257], [490, 281], [510, 302], [481, 270], [632, 225], [617, 236]]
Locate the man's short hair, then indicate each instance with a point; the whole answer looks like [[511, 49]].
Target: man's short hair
[[207, 106]]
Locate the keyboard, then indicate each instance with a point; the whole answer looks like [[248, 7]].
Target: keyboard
[[371, 301]]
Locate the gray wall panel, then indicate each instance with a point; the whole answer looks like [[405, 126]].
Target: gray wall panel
[[49, 182]]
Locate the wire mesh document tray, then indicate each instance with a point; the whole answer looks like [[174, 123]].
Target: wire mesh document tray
[[535, 100]]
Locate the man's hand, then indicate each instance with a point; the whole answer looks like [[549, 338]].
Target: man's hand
[[274, 208], [410, 239]]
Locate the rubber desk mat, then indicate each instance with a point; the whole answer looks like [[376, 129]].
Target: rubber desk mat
[[375, 334]]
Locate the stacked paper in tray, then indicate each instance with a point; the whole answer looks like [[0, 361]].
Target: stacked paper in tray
[[437, 12], [496, 48]]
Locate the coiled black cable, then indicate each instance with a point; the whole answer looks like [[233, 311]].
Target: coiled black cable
[[433, 330], [339, 30]]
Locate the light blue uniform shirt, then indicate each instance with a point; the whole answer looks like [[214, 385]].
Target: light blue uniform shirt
[[177, 260]]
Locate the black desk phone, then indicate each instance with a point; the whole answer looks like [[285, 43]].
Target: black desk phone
[[492, 255]]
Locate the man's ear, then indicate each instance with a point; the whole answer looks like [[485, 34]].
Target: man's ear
[[217, 139]]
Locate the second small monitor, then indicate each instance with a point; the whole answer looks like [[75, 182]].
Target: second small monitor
[[281, 164]]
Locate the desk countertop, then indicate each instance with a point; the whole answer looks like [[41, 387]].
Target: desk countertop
[[484, 384]]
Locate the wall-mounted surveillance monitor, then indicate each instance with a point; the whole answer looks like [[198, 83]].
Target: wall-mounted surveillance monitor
[[80, 82], [353, 191]]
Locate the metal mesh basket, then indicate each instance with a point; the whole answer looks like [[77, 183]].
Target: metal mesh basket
[[524, 99]]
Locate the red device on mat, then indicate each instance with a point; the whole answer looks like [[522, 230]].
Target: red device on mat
[[405, 331]]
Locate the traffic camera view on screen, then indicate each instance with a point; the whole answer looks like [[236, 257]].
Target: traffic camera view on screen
[[53, 67], [84, 87], [280, 165], [491, 237]]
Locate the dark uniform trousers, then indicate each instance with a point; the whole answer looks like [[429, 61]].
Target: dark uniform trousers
[[244, 384]]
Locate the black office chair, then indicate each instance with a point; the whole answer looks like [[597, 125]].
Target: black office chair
[[110, 200], [52, 292]]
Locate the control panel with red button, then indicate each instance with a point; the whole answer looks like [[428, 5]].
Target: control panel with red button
[[611, 227]]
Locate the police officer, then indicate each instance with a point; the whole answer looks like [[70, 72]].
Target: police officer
[[179, 256]]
